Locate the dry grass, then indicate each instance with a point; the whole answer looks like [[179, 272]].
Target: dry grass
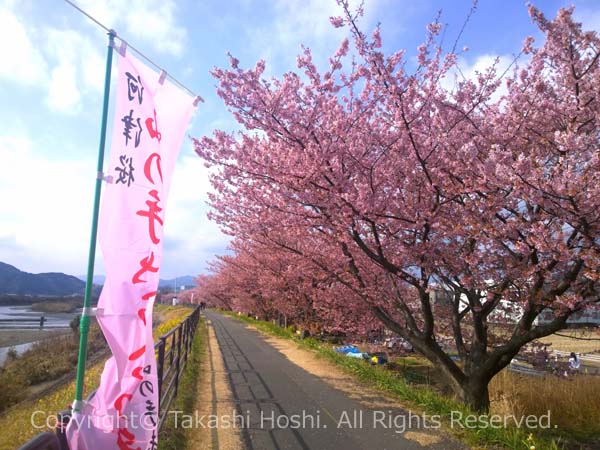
[[28, 419], [572, 402], [47, 360], [571, 343]]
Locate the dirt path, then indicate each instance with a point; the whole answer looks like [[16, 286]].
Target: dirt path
[[214, 400]]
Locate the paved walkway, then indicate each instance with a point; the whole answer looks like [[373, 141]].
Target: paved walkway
[[283, 407]]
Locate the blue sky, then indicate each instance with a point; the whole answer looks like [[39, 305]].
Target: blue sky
[[51, 79]]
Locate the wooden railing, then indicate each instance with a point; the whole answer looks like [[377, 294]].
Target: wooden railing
[[172, 351]]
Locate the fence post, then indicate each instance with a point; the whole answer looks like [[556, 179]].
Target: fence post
[[178, 361], [190, 336], [186, 340], [172, 350], [160, 363]]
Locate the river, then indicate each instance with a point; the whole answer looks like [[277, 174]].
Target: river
[[23, 329], [52, 320]]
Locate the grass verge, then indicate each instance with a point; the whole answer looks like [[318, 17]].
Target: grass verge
[[416, 398], [176, 438]]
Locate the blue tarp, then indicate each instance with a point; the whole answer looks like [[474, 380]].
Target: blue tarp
[[347, 349]]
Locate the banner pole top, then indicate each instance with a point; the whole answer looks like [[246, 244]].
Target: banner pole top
[[113, 34]]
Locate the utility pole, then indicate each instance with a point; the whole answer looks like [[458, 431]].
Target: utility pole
[[175, 293]]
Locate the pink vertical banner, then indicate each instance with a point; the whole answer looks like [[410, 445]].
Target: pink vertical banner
[[151, 117]]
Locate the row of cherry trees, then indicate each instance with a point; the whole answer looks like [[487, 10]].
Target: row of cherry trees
[[270, 283], [356, 193]]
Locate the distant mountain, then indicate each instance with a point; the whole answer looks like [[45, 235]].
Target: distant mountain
[[15, 281], [187, 281], [98, 279]]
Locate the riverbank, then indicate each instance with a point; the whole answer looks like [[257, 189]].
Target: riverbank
[[57, 307], [10, 338]]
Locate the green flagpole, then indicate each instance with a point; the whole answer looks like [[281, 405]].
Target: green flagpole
[[84, 324]]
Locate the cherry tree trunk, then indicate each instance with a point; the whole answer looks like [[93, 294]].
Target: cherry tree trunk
[[474, 393]]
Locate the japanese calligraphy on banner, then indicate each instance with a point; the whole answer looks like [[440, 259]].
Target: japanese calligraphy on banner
[[150, 121]]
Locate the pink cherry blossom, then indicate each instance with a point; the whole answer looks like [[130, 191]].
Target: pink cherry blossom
[[379, 198]]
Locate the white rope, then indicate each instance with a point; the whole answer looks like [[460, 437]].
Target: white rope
[[160, 69]]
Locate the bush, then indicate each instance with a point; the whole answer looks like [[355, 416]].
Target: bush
[[74, 324], [12, 389], [12, 354]]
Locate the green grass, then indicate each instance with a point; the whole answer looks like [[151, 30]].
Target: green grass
[[416, 398], [176, 438]]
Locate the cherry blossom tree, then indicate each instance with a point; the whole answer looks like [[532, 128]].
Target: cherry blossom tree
[[448, 214], [267, 281]]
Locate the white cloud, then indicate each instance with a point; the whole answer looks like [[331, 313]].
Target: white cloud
[[154, 22], [484, 62], [298, 20], [47, 206], [186, 223], [306, 22], [188, 203], [73, 47], [151, 22], [470, 71], [78, 69], [44, 203], [66, 63], [21, 61], [63, 93], [63, 63], [93, 68]]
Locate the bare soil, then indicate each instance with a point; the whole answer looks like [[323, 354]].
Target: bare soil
[[214, 398]]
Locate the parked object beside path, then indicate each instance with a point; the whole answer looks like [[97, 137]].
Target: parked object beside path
[[358, 355], [345, 349], [398, 343], [379, 358]]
